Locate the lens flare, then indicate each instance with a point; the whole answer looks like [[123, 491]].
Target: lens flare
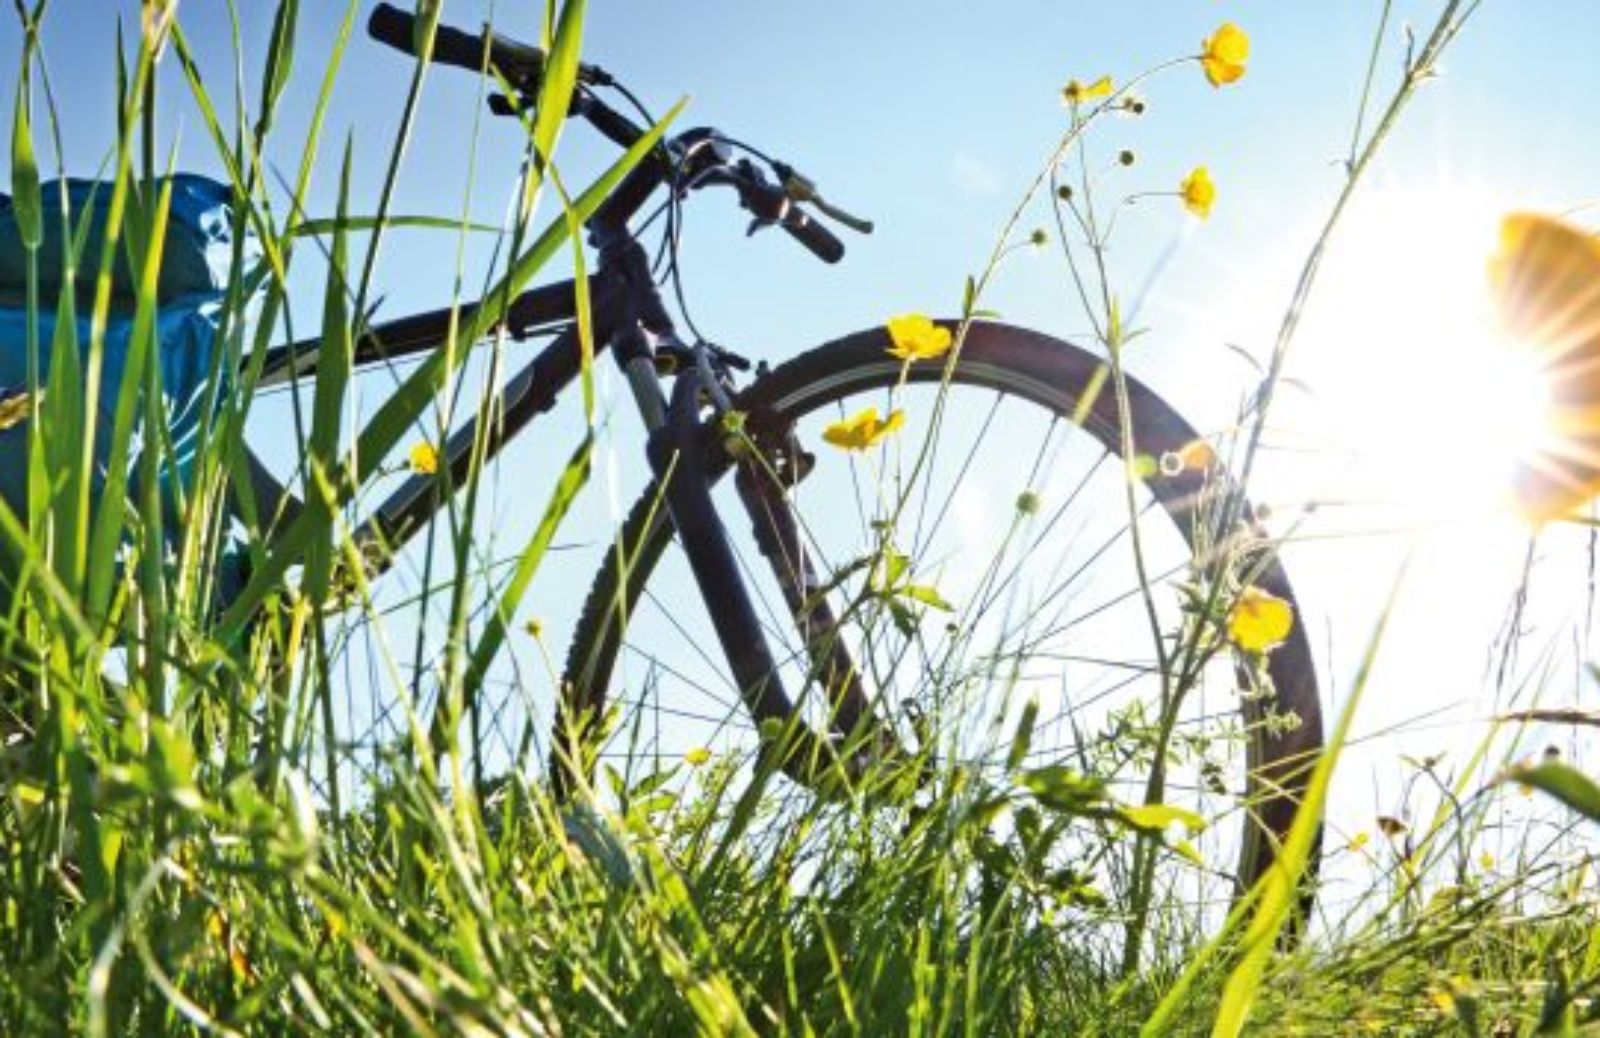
[[1439, 410], [1546, 282]]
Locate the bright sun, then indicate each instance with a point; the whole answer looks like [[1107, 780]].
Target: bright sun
[[1403, 357]]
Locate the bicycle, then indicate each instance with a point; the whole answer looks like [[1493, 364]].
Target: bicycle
[[826, 525]]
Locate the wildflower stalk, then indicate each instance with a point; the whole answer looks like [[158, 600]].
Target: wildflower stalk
[[1449, 24], [1113, 336], [1231, 514]]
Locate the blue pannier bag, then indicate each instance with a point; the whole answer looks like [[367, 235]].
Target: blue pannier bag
[[196, 260]]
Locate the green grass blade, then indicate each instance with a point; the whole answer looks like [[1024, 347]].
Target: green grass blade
[[313, 228], [280, 61], [573, 478], [26, 200], [1561, 781], [559, 82], [1280, 887], [333, 376]]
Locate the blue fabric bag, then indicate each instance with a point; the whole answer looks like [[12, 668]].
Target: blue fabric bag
[[196, 261], [195, 257], [186, 350]]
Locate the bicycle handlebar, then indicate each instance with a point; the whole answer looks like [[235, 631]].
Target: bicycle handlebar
[[523, 65], [518, 62]]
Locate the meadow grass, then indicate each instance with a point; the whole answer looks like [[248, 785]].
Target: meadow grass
[[188, 842]]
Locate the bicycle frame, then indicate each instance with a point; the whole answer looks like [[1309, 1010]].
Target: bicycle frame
[[630, 320]]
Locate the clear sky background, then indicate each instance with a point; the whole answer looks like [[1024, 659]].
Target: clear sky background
[[932, 117]]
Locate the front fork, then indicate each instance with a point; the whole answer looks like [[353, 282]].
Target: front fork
[[679, 450], [780, 462]]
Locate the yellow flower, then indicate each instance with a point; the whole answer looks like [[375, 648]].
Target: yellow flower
[[697, 756], [1359, 841], [1198, 192], [424, 459], [535, 627], [863, 429], [1545, 280], [1259, 620], [1077, 93], [915, 337], [1486, 861], [1223, 54]]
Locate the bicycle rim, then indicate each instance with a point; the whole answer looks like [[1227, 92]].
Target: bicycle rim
[[1014, 590]]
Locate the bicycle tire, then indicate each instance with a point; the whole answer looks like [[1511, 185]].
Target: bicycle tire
[[1055, 376]]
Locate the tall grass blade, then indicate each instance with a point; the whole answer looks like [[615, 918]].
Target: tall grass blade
[[333, 376], [1279, 890], [26, 200], [1561, 781], [573, 478]]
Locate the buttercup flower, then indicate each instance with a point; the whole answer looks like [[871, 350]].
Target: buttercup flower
[[915, 337], [1223, 54], [1077, 93], [863, 429], [1198, 192], [1259, 620], [424, 459], [1545, 280], [697, 756]]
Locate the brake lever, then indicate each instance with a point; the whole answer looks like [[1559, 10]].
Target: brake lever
[[766, 202], [801, 188]]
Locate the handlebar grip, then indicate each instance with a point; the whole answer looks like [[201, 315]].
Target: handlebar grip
[[808, 232], [391, 26], [397, 28]]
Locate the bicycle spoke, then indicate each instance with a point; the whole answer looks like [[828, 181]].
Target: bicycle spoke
[[1046, 605]]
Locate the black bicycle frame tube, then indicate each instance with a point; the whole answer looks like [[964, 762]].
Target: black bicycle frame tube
[[532, 391], [421, 333]]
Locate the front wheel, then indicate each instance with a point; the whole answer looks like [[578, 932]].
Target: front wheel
[[986, 562]]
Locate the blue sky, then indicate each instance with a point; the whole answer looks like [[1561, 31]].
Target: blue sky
[[931, 117]]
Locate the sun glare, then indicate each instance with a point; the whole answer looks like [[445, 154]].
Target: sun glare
[[1413, 382]]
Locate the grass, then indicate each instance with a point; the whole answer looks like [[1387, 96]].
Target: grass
[[188, 842]]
